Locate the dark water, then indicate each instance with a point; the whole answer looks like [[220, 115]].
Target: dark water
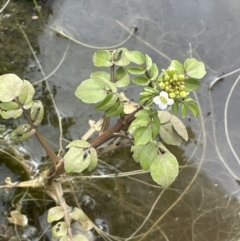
[[203, 202]]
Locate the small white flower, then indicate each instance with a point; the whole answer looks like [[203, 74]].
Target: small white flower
[[163, 100]]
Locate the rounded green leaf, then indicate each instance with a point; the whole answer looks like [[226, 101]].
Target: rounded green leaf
[[154, 72], [60, 229], [93, 159], [178, 66], [76, 160], [91, 91], [79, 143], [155, 125], [191, 84], [142, 80], [102, 58], [135, 57], [37, 112], [115, 110], [164, 116], [164, 169], [136, 70], [148, 62], [142, 135], [54, 214], [109, 101], [184, 109], [11, 114], [122, 60], [179, 127], [147, 155], [122, 77], [169, 135], [22, 132], [10, 87], [194, 109], [137, 150], [143, 121], [194, 68], [78, 214], [175, 108], [26, 94], [11, 105]]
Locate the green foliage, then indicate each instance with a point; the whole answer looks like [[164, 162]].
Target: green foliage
[[60, 229], [194, 68], [22, 132], [55, 214]]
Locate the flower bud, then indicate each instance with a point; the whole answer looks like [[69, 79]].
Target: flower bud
[[162, 85], [181, 87], [166, 77], [181, 77], [166, 83], [183, 94], [175, 77], [167, 88], [172, 95], [171, 70]]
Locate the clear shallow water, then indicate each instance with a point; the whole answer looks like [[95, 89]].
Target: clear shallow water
[[203, 203]]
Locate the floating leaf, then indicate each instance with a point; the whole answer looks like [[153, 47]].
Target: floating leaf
[[169, 135], [178, 66], [153, 72], [102, 58], [194, 68], [26, 94], [122, 77], [135, 57], [164, 169], [136, 70], [194, 109], [191, 84], [55, 213], [10, 87], [79, 143], [76, 160], [91, 91], [60, 229], [37, 112], [149, 152], [93, 159], [179, 127], [142, 135], [148, 62], [142, 80]]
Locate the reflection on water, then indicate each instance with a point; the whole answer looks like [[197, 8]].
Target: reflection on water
[[203, 203]]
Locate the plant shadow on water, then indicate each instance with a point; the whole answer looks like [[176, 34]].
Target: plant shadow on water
[[203, 202]]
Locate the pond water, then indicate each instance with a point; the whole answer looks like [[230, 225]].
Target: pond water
[[203, 202]]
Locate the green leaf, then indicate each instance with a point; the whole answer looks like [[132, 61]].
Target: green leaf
[[142, 80], [155, 125], [109, 101], [164, 116], [175, 108], [122, 77], [144, 121], [169, 135], [123, 60], [188, 99], [144, 99], [11, 114], [164, 169], [105, 78], [10, 87], [194, 68], [91, 91], [78, 214], [135, 57], [178, 66], [76, 160], [148, 62], [37, 112], [179, 127], [26, 94], [137, 150], [136, 70], [194, 109], [154, 72], [93, 159], [142, 135], [150, 90], [55, 213], [147, 155], [143, 113], [191, 84], [115, 110], [79, 237], [60, 229], [184, 109], [79, 143], [22, 132], [102, 58], [11, 105]]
